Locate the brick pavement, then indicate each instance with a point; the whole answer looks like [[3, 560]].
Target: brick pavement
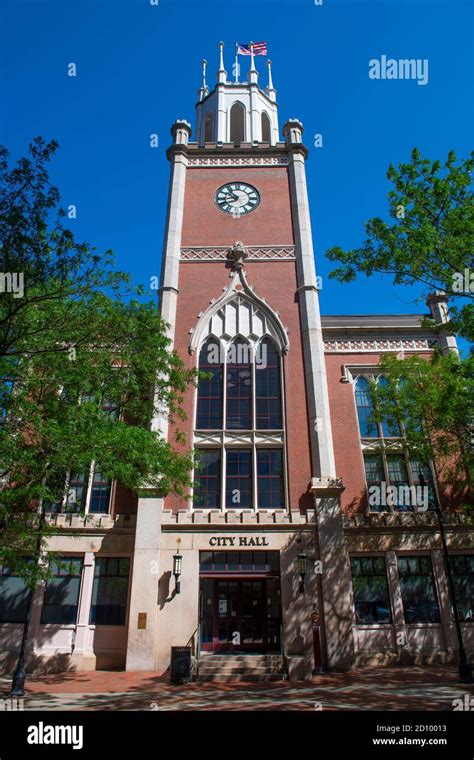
[[420, 689]]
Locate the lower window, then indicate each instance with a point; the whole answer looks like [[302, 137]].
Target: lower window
[[110, 591], [371, 597], [420, 604], [13, 597], [61, 596], [462, 570]]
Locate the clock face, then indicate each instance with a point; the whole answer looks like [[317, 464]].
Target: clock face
[[237, 198]]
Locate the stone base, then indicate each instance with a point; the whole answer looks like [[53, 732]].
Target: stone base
[[299, 667]]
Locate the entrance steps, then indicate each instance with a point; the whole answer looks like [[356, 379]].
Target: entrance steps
[[241, 667]]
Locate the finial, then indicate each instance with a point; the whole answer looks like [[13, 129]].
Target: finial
[[253, 73], [222, 73], [204, 89], [270, 90]]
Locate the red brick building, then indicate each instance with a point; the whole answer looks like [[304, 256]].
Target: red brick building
[[283, 559]]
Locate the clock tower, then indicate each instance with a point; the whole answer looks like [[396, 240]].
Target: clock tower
[[260, 534]]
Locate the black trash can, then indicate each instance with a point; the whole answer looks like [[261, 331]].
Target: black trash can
[[180, 665]]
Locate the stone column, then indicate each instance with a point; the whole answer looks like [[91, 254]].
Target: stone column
[[322, 452], [81, 649], [144, 591], [399, 628], [336, 584]]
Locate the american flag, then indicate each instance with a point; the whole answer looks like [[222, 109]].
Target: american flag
[[259, 48]]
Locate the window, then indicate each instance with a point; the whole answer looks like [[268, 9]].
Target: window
[[365, 408], [239, 386], [371, 597], [86, 492], [61, 596], [270, 479], [237, 123], [394, 483], [462, 570], [238, 490], [13, 597], [100, 493], [110, 591], [210, 399], [239, 562], [239, 429], [207, 478], [417, 585], [265, 127], [267, 387]]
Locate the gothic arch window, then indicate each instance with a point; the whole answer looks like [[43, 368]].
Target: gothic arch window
[[266, 130], [209, 127], [239, 431], [237, 123], [210, 389], [365, 408]]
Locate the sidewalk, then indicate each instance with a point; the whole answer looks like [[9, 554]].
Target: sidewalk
[[423, 689]]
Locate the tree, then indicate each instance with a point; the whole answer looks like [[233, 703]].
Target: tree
[[84, 364], [434, 401], [430, 242], [431, 238]]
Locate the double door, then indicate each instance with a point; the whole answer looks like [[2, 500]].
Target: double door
[[240, 614]]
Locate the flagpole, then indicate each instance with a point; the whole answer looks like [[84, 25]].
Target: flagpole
[[236, 63]]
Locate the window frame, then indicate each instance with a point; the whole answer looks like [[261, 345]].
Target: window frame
[[386, 447], [383, 556]]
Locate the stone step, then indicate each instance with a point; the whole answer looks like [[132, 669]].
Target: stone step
[[241, 667], [234, 677]]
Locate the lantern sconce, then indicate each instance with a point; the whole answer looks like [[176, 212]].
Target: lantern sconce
[[177, 562], [302, 567]]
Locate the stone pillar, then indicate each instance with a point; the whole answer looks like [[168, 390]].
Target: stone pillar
[[438, 305], [144, 586], [322, 452], [399, 628], [336, 584], [81, 650], [442, 590]]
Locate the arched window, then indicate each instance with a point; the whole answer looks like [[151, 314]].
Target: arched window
[[368, 429], [268, 387], [209, 405], [239, 386], [237, 123], [208, 127], [266, 131]]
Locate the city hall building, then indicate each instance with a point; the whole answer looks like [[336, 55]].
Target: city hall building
[[274, 564]]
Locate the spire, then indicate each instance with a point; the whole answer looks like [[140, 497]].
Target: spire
[[270, 90], [253, 73], [204, 89], [222, 73]]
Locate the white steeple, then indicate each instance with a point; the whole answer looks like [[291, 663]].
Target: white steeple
[[237, 112]]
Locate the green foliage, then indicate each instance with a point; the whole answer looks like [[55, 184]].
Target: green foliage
[[430, 239], [434, 400], [77, 338]]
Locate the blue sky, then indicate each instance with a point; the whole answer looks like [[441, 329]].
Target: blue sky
[[138, 69]]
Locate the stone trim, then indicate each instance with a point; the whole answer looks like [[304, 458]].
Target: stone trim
[[405, 520], [375, 346], [217, 161], [91, 521], [213, 517], [219, 253]]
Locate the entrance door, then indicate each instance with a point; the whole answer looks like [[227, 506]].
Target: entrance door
[[240, 615]]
